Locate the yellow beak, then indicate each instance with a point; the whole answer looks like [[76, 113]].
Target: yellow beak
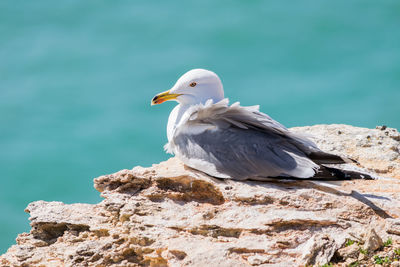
[[162, 97]]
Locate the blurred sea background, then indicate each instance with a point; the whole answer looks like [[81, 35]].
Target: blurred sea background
[[77, 77]]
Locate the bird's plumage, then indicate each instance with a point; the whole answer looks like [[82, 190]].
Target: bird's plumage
[[241, 143], [232, 141]]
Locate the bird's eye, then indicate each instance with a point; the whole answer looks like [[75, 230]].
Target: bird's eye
[[193, 84]]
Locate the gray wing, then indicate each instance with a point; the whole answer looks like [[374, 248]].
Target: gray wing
[[241, 143]]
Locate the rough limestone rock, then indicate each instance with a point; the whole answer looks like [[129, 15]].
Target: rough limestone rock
[[171, 215], [372, 241]]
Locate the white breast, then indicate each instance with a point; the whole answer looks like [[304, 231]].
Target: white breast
[[172, 122], [177, 115]]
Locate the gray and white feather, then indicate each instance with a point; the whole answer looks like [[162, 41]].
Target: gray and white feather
[[232, 141]]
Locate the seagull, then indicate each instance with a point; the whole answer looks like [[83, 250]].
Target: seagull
[[237, 142]]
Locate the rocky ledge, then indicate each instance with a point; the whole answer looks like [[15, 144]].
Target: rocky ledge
[[170, 215]]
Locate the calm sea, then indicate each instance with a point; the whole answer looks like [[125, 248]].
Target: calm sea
[[76, 79]]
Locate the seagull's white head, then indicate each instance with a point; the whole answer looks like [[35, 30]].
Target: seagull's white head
[[194, 87]]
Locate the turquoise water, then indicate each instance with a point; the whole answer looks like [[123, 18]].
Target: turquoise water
[[76, 79]]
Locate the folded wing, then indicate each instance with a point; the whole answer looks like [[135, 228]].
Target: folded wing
[[242, 143]]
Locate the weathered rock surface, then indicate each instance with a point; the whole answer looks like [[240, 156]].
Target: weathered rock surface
[[170, 215]]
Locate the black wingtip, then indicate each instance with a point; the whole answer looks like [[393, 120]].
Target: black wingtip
[[328, 173]]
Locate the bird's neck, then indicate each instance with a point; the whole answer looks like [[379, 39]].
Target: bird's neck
[[207, 93]]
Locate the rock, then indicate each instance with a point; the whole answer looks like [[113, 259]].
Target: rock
[[171, 215], [373, 241], [349, 252], [258, 259], [318, 250], [393, 226]]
